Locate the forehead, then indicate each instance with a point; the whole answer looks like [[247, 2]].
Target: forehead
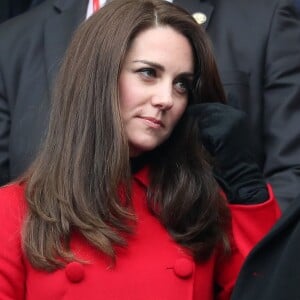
[[163, 44]]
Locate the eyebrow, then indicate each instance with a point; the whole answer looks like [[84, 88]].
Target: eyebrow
[[160, 67]]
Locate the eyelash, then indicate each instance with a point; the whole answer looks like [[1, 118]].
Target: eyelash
[[149, 73], [143, 72]]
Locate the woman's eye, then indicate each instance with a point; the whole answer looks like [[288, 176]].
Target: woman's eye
[[147, 72], [182, 86]]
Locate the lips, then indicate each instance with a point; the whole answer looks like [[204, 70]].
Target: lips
[[153, 122]]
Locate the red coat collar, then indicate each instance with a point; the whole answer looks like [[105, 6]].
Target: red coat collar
[[142, 176]]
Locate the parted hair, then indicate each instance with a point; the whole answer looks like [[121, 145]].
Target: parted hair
[[74, 184]]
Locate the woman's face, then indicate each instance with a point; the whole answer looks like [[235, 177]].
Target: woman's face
[[153, 86]]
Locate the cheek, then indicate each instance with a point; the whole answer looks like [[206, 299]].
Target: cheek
[[130, 95]]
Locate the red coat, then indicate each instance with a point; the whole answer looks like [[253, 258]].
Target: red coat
[[152, 267]]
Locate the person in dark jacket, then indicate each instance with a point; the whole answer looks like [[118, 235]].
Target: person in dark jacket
[[272, 269]]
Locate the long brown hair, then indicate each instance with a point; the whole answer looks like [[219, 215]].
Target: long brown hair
[[74, 183]]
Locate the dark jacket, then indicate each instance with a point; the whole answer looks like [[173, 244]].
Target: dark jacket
[[272, 269], [256, 44], [31, 49], [12, 8]]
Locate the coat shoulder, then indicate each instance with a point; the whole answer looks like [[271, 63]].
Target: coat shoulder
[[12, 201]]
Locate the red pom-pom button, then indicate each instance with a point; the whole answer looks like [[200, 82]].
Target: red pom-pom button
[[184, 267], [75, 272]]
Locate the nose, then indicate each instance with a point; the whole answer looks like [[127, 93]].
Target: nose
[[162, 97]]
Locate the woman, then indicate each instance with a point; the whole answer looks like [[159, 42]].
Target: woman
[[121, 203]]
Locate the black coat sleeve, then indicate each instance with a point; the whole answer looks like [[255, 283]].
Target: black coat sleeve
[[282, 103]]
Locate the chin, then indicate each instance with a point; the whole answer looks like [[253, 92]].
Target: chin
[[137, 149]]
